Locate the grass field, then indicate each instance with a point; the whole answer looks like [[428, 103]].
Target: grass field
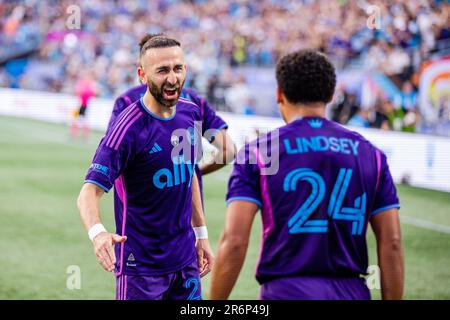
[[41, 172]]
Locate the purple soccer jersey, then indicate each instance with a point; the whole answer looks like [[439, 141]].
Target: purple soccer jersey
[[315, 209], [150, 162], [210, 120]]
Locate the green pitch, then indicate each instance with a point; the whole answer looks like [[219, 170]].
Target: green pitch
[[41, 172]]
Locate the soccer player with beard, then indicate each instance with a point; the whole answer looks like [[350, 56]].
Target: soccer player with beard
[[213, 127], [149, 155], [330, 184]]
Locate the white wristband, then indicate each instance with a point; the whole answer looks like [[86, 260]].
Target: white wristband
[[95, 230], [201, 232]]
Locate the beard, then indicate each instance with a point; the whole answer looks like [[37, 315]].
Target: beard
[[158, 92]]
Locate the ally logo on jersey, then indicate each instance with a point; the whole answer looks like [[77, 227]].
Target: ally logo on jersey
[[183, 155], [181, 172]]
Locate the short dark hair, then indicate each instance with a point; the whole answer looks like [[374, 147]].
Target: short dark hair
[[306, 76], [157, 40]]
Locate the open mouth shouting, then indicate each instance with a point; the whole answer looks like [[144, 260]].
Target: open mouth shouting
[[170, 93]]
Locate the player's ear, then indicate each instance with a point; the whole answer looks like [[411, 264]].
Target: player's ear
[[280, 98], [141, 74]]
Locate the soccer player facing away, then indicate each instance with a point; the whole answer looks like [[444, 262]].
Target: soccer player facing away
[[149, 155], [315, 210], [214, 128]]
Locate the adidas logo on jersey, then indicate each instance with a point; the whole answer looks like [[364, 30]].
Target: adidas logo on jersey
[[156, 148]]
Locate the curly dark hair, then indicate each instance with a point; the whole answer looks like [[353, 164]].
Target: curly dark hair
[[157, 40], [306, 76]]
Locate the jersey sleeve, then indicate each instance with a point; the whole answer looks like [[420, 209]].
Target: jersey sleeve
[[110, 159], [386, 194], [244, 180]]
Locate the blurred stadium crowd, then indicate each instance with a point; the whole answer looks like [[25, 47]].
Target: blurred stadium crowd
[[223, 40]]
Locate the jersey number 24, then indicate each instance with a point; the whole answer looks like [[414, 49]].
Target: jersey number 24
[[300, 222]]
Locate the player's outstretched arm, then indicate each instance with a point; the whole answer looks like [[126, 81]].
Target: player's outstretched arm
[[205, 256], [225, 155], [232, 248], [386, 226], [103, 241]]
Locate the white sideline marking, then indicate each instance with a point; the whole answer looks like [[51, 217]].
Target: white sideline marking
[[425, 224]]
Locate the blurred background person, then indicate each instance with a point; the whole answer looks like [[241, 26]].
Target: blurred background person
[[85, 90]]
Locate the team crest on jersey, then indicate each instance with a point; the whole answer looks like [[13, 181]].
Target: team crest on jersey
[[315, 123], [175, 140]]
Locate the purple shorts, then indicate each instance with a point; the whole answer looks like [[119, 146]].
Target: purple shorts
[[180, 285], [315, 288]]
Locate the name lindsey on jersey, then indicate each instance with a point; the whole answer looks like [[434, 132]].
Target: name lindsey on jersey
[[175, 177], [320, 144]]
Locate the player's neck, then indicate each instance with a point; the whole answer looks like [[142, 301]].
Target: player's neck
[[156, 108], [296, 111]]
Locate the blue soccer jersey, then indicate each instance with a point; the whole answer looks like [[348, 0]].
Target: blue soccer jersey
[[150, 162], [315, 209]]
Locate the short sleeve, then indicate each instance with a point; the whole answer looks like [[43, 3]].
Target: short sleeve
[[110, 159], [244, 180], [385, 194]]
